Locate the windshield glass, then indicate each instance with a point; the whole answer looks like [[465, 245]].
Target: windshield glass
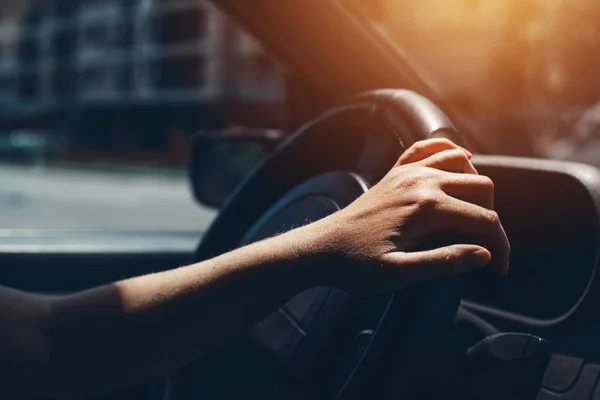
[[524, 72], [100, 99]]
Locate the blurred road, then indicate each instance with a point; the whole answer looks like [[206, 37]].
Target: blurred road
[[52, 198], [45, 198]]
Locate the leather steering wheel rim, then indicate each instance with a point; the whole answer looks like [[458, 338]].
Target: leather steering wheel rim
[[402, 117], [407, 117]]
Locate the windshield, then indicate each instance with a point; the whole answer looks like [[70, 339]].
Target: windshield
[[524, 72], [100, 99]]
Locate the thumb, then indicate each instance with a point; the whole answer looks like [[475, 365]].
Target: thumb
[[422, 266]]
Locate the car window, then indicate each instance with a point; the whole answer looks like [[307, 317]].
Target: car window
[[99, 100], [525, 72]]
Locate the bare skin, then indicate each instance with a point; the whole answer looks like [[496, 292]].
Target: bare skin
[[121, 334]]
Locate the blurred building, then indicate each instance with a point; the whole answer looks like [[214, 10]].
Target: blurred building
[[110, 71]]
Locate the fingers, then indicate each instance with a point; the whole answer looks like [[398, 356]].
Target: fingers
[[426, 148], [476, 189], [464, 209], [442, 262], [478, 224], [455, 160]]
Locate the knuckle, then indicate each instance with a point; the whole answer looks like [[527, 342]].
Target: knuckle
[[441, 140], [454, 157], [445, 140], [423, 145], [456, 154], [423, 171], [493, 217], [486, 182], [420, 145], [427, 200]]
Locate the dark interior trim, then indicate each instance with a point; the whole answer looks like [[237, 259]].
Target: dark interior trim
[[586, 180]]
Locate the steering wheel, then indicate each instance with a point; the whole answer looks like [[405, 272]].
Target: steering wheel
[[320, 169]]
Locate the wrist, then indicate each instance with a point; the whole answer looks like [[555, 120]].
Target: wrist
[[316, 248]]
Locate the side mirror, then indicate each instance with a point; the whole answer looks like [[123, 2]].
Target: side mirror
[[220, 160]]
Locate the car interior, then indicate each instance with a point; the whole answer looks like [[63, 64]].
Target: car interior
[[530, 335]]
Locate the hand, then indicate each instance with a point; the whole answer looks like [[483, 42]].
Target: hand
[[389, 237]]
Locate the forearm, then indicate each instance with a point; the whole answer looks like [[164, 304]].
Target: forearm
[[132, 330]]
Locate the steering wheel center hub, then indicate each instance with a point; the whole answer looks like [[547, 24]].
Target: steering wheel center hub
[[289, 333]]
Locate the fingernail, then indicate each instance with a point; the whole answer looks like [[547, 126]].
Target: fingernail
[[469, 154]]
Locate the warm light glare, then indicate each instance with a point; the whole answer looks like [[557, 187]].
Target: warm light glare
[[534, 62]]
